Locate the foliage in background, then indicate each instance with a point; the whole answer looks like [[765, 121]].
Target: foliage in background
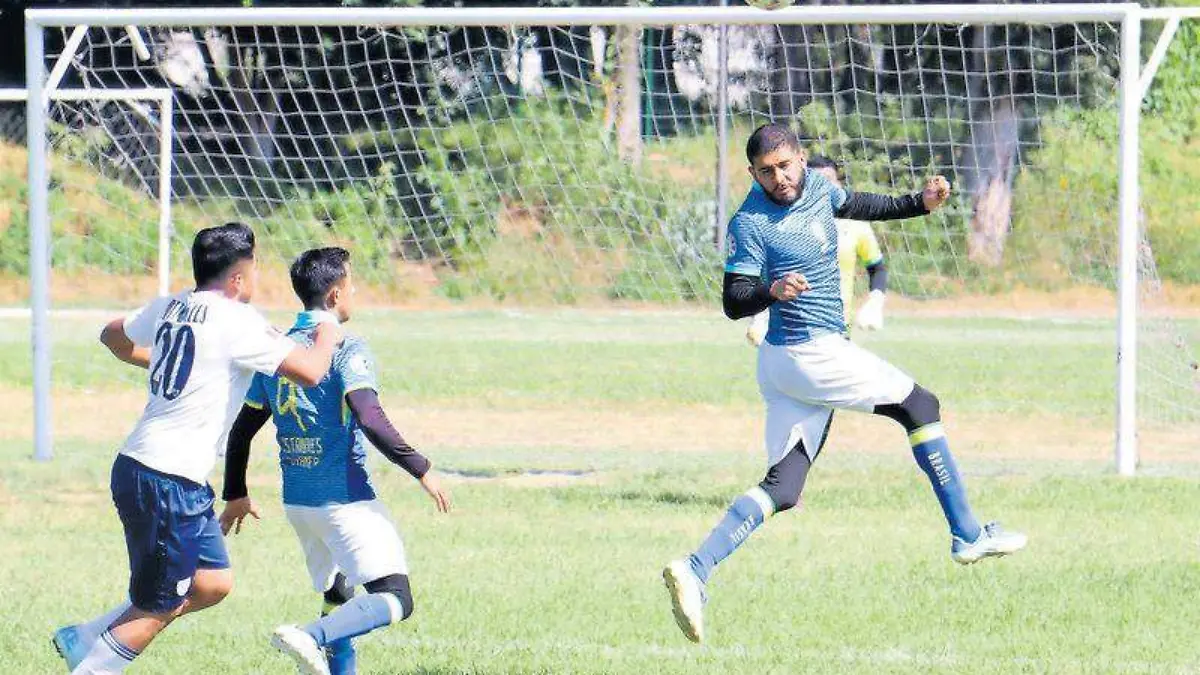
[[535, 206]]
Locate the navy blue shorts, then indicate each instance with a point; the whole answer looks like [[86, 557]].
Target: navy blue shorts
[[170, 532]]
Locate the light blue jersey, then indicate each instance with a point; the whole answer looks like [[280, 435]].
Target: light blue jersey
[[769, 240], [322, 450]]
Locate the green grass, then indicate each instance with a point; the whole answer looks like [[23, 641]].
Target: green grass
[[564, 578], [514, 359]]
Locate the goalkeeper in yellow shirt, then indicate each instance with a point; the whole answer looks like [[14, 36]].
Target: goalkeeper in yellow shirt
[[856, 243]]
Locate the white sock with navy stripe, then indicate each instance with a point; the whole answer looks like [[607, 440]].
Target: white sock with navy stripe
[[108, 656]]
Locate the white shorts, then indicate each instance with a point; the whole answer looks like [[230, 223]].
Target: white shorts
[[357, 539], [803, 384]]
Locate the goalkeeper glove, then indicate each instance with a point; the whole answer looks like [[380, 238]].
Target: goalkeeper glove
[[757, 330], [870, 316]]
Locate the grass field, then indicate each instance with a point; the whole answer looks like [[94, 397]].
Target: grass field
[[586, 449]]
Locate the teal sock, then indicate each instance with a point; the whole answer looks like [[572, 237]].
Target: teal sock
[[932, 453], [743, 517], [362, 614], [340, 654]]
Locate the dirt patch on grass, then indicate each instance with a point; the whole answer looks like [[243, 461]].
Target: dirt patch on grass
[[1081, 302], [415, 287], [107, 416]]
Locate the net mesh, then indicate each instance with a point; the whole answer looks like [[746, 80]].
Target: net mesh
[[577, 164]]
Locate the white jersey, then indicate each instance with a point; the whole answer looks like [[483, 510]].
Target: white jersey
[[204, 350]]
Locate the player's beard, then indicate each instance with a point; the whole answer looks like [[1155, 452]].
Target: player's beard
[[797, 189], [783, 201]]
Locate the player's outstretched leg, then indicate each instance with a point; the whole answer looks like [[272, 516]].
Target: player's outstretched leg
[[920, 414], [387, 601], [686, 578], [340, 653]]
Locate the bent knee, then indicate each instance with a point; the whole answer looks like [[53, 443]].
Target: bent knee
[[213, 585], [397, 586], [783, 498], [785, 503]]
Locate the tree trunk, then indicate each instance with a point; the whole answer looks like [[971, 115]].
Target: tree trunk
[[629, 92], [990, 161]]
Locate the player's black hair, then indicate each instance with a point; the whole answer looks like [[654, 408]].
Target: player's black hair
[[216, 249], [770, 137], [316, 271]]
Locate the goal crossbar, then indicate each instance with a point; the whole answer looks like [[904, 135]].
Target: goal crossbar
[[564, 16]]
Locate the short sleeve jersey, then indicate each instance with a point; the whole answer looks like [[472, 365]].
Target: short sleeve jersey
[[204, 349], [770, 240], [322, 449]]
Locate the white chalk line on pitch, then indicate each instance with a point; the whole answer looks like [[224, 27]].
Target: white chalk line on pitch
[[26, 313]]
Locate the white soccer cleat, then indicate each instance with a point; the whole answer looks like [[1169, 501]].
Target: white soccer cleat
[[302, 648], [687, 598], [993, 542]]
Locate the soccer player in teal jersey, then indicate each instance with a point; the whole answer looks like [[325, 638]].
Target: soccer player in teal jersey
[[782, 256], [346, 533]]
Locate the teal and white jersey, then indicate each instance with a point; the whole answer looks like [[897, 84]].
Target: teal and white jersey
[[322, 450], [769, 240]]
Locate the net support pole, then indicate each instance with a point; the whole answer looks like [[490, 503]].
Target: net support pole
[[722, 213], [36, 109], [1156, 58], [1126, 445], [166, 131], [64, 60]]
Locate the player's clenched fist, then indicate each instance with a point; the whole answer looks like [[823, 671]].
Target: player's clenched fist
[[937, 191], [787, 287]]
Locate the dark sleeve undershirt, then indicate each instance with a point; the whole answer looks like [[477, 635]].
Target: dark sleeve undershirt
[[877, 275], [364, 403], [868, 206], [745, 295], [237, 450]]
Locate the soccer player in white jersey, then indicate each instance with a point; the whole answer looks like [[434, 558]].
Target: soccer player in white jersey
[[201, 348], [346, 533], [856, 245], [783, 256]]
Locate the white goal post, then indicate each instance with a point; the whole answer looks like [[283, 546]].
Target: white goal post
[[37, 99], [1133, 84]]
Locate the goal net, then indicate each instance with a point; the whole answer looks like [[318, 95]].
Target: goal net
[[577, 165]]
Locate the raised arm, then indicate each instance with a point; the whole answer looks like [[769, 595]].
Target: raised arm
[[307, 366], [868, 206], [113, 336], [130, 337]]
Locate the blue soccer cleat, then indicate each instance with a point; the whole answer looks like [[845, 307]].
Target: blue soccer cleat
[[993, 542], [342, 658], [71, 646]]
